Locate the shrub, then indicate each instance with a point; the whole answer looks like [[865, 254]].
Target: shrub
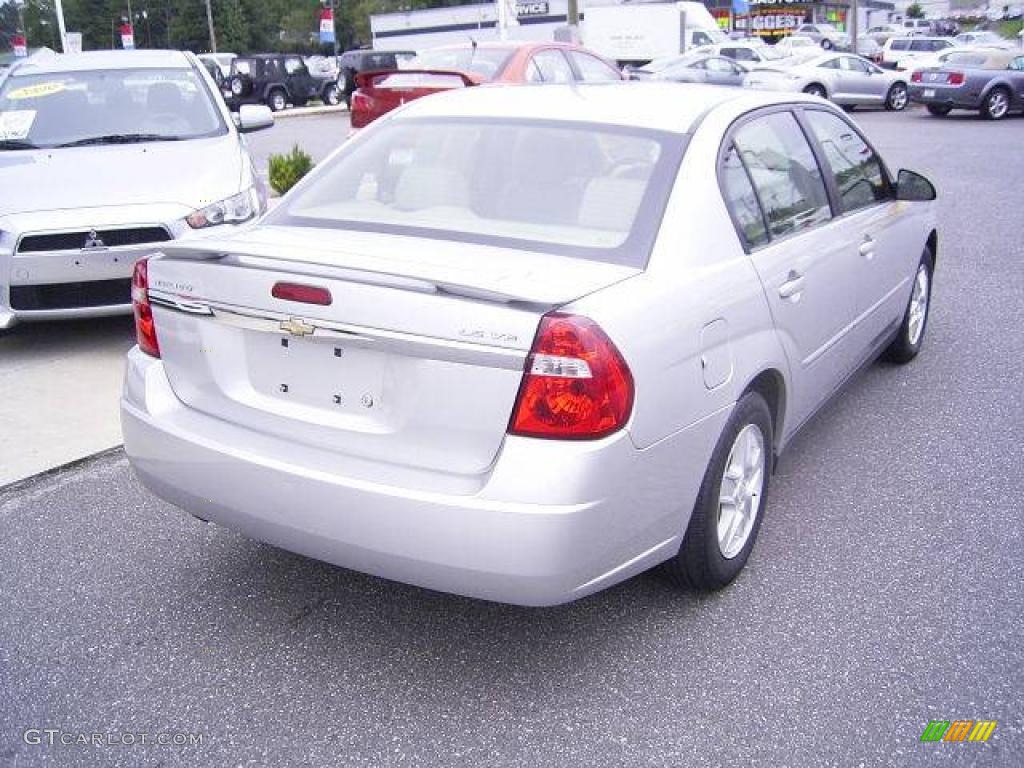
[[287, 170]]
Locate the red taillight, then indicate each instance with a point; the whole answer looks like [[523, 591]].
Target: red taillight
[[306, 294], [955, 78], [359, 108], [916, 76], [576, 385], [145, 328]]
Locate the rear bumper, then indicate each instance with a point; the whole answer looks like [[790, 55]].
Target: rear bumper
[[954, 98], [548, 523]]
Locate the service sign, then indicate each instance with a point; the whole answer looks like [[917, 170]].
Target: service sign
[[531, 9]]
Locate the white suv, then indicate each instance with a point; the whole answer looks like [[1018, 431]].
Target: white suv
[[901, 52]]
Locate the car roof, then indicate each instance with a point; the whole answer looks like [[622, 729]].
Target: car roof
[[93, 60], [994, 58], [645, 104]]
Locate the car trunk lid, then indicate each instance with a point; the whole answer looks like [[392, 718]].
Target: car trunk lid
[[380, 92], [415, 360]]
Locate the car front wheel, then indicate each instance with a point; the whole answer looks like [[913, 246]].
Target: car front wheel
[[910, 336], [730, 505], [897, 99], [331, 96]]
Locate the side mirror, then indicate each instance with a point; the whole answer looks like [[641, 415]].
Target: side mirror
[[253, 117], [914, 186]]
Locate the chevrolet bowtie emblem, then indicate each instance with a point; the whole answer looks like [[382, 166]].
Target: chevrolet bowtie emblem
[[93, 240], [297, 327]]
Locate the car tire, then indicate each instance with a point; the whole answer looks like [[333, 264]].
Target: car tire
[[709, 558], [814, 89], [910, 336], [331, 97], [897, 98], [277, 100], [826, 44], [937, 110], [240, 86], [996, 105]]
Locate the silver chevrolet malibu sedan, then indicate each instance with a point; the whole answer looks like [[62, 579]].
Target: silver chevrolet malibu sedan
[[103, 154], [524, 343]]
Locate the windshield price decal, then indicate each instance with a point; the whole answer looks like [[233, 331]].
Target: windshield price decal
[[35, 91]]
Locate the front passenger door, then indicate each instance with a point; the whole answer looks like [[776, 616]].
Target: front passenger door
[[878, 227]]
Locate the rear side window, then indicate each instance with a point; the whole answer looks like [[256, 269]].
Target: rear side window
[[593, 70], [785, 173], [552, 66], [855, 167], [741, 200], [899, 45]]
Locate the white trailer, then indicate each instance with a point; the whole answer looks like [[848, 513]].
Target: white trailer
[[645, 31]]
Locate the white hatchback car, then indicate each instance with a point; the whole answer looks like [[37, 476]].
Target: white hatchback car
[[103, 154], [523, 343]]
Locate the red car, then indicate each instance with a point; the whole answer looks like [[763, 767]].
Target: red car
[[460, 66]]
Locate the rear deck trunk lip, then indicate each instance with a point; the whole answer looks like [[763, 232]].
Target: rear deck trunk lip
[[270, 321]]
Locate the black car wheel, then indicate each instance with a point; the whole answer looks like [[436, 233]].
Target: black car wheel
[[938, 110], [996, 104], [277, 100], [826, 44], [897, 98], [730, 505], [910, 336], [816, 90], [331, 97]]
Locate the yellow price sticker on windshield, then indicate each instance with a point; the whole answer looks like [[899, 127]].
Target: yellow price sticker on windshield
[[35, 91]]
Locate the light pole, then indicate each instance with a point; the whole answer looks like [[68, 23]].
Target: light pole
[[58, 7], [209, 23]]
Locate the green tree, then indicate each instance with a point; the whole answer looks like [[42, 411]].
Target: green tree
[[915, 11]]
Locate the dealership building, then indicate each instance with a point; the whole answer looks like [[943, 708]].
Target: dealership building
[[538, 20]]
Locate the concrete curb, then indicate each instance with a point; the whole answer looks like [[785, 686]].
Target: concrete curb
[[306, 111], [19, 485]]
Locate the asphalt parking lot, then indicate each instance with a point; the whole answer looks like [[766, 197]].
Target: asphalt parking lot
[[884, 591]]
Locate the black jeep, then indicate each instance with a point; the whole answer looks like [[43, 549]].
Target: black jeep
[[276, 79]]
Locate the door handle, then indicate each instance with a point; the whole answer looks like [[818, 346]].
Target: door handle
[[867, 247], [793, 287]]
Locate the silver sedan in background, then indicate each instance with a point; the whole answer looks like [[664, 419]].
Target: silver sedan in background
[[846, 79], [524, 343], [697, 68], [103, 154]]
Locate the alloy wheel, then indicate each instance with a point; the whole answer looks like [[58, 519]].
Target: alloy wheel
[[739, 496], [918, 306]]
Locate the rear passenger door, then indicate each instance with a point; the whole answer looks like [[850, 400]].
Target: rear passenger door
[[806, 265]]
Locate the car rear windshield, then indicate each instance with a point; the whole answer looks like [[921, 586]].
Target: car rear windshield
[[485, 62], [107, 106], [576, 189]]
